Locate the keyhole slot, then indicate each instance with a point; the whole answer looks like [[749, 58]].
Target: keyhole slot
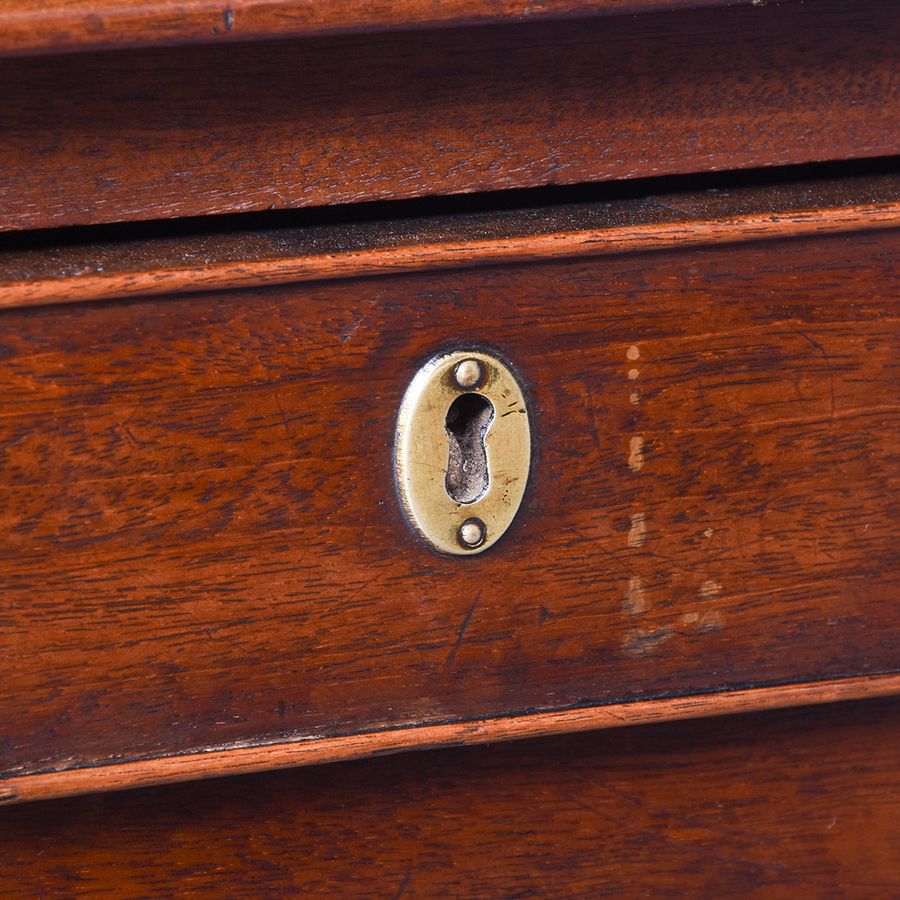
[[468, 419]]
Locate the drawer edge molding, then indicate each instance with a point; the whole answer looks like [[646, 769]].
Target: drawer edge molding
[[156, 266], [71, 27], [244, 759]]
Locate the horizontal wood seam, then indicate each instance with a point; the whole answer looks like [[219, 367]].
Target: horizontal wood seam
[[246, 759], [412, 257]]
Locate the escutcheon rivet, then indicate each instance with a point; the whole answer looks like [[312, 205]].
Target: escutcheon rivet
[[472, 533], [467, 374]]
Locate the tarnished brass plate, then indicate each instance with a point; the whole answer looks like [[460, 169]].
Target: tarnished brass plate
[[463, 451]]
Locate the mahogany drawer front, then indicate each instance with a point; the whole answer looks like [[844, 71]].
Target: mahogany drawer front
[[203, 556], [185, 131], [796, 802]]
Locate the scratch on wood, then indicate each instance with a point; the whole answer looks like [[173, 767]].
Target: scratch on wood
[[283, 415], [820, 349], [404, 884], [451, 657]]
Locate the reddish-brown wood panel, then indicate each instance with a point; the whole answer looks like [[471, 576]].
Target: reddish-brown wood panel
[[202, 546], [165, 133], [796, 803]]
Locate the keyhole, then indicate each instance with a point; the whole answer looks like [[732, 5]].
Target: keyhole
[[468, 420]]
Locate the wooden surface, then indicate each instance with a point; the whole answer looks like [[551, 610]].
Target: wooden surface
[[202, 548], [165, 133], [118, 262], [50, 26], [798, 803]]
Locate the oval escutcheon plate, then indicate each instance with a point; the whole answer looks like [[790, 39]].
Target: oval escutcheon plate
[[463, 451]]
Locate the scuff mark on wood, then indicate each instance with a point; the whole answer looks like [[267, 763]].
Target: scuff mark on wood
[[637, 533], [635, 601], [705, 622], [636, 453], [643, 643]]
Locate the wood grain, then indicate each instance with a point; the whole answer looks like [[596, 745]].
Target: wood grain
[[202, 548], [797, 803], [52, 26], [91, 268], [150, 134]]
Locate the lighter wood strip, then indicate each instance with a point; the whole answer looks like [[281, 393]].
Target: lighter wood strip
[[237, 760], [227, 273], [36, 26]]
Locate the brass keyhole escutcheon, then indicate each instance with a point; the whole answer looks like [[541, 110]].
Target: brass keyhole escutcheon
[[463, 451]]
